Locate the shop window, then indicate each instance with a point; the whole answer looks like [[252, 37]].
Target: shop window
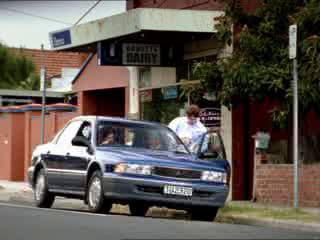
[[145, 77], [156, 108]]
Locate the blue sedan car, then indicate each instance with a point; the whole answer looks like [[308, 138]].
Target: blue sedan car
[[105, 160]]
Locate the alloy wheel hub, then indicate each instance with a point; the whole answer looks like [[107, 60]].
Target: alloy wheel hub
[[95, 192], [40, 187]]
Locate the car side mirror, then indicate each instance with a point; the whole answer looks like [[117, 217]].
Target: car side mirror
[[213, 154], [82, 142]]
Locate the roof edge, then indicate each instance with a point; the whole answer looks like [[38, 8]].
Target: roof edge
[[84, 65]]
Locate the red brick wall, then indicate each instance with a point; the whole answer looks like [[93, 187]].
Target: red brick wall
[[5, 145], [95, 77], [275, 184], [11, 146], [54, 61], [249, 5], [17, 144], [32, 129]]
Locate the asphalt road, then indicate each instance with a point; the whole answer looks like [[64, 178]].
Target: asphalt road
[[23, 222]]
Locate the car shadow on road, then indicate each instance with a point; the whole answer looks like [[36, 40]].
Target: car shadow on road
[[121, 210]]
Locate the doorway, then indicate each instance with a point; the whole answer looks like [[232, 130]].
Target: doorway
[[104, 102]]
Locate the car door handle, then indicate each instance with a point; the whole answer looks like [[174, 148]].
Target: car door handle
[[48, 152], [67, 154]]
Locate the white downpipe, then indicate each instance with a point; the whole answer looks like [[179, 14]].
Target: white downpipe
[[133, 92]]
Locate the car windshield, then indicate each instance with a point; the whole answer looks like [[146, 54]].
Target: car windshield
[[145, 136]]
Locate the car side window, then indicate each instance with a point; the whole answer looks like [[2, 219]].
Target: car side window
[[212, 142], [69, 133], [85, 131]]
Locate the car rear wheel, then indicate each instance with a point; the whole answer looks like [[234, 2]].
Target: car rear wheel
[[43, 198], [96, 200], [204, 214], [138, 209]]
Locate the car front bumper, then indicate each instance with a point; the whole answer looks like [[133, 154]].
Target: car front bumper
[[125, 189]]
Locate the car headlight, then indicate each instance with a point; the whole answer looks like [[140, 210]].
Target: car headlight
[[214, 176], [133, 169]]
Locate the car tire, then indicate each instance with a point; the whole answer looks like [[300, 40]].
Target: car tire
[[137, 209], [95, 195], [43, 198], [204, 214]]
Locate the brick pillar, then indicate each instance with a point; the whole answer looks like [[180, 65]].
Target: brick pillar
[[17, 150], [27, 137]]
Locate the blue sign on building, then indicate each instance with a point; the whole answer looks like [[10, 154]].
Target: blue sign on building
[[59, 39], [170, 92]]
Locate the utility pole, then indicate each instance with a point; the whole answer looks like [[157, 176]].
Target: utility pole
[[293, 55], [43, 89]]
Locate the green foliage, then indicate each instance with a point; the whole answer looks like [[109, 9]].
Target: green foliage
[[31, 83], [210, 81], [16, 71], [279, 118], [194, 91], [259, 66]]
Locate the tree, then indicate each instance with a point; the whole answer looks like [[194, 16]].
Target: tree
[[259, 66], [16, 71]]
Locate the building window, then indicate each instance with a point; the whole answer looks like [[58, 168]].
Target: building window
[[145, 77]]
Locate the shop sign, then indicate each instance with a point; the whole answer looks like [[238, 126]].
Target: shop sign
[[262, 140], [60, 38], [210, 117], [141, 54], [146, 96], [170, 92]]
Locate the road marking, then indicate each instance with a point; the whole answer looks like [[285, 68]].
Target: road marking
[[52, 210]]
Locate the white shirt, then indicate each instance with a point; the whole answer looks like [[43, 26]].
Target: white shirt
[[189, 133]]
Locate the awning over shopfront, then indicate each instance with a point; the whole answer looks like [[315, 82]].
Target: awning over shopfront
[[135, 22]]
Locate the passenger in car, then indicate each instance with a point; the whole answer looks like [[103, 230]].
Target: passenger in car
[[108, 136]]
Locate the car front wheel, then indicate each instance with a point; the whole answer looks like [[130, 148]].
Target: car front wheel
[[204, 214], [96, 200], [43, 198]]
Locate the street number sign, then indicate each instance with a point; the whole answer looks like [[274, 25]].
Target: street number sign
[[293, 41]]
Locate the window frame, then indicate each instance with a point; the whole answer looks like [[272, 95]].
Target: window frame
[[64, 129]]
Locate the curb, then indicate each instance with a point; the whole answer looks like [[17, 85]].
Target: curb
[[290, 224]]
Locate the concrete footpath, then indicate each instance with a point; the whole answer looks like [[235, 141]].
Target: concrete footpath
[[247, 213]]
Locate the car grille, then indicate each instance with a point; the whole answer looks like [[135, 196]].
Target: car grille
[[176, 173]]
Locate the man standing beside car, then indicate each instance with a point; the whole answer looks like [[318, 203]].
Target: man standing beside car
[[189, 128]]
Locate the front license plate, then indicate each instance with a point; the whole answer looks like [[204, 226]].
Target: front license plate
[[177, 190]]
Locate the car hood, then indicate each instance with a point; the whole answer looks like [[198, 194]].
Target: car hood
[[113, 155]]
